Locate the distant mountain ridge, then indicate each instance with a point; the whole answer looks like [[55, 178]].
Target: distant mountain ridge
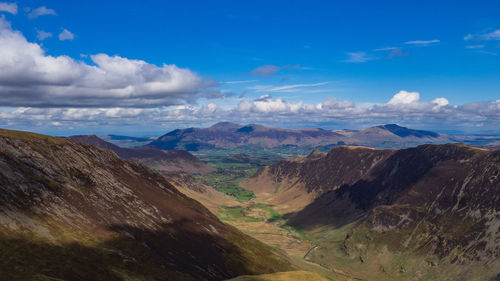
[[226, 135], [163, 160]]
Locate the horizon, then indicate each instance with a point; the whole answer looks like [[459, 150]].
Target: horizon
[[159, 134], [134, 69]]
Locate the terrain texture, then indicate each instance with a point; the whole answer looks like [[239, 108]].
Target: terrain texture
[[72, 211], [427, 213]]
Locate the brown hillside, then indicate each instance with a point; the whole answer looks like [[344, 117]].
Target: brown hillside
[[72, 211]]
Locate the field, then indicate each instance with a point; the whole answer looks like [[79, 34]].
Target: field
[[232, 167]]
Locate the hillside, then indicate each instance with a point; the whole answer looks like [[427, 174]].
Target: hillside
[[429, 212], [162, 160], [72, 211]]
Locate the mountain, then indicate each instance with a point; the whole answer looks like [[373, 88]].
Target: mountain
[[392, 136], [296, 182], [73, 211], [162, 160], [229, 135], [127, 141], [427, 213]]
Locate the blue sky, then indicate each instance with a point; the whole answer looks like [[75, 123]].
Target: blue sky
[[334, 64]]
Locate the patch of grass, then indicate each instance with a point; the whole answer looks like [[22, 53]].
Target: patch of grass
[[227, 181], [235, 214], [274, 216]]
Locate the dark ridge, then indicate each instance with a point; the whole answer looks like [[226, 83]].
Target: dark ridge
[[405, 132], [225, 125], [246, 129]]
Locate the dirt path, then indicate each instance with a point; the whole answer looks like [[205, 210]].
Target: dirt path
[[310, 250]]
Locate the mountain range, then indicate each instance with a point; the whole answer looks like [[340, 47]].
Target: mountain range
[[226, 135]]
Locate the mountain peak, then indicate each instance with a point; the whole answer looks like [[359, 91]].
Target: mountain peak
[[225, 125]]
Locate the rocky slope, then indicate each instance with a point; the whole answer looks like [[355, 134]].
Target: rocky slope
[[72, 211], [154, 157], [430, 212]]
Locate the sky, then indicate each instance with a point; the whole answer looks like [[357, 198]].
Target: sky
[[147, 67]]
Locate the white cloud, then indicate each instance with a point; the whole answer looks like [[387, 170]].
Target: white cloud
[[386, 49], [41, 11], [358, 57], [422, 42], [404, 97], [493, 35], [266, 104], [474, 46], [66, 35], [270, 70], [346, 114], [265, 70], [8, 7], [42, 35], [239, 82], [284, 88], [440, 102], [30, 77]]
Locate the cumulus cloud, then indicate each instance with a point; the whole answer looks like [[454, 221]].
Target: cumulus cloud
[[41, 11], [8, 7], [266, 105], [66, 35], [30, 77], [42, 35], [404, 97], [422, 42], [441, 102]]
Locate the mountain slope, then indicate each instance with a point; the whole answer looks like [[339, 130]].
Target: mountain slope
[[292, 184], [392, 136], [71, 211], [163, 160], [430, 212]]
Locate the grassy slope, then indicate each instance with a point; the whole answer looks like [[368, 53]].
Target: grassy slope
[[283, 276]]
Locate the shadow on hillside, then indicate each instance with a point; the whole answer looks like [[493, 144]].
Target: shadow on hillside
[[385, 183], [176, 252]]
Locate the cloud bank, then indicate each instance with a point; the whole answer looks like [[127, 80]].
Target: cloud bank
[[30, 77], [404, 107]]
